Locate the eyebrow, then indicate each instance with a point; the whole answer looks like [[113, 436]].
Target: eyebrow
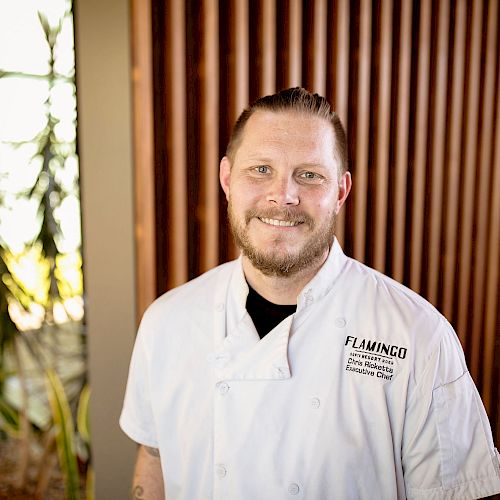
[[260, 159], [312, 165]]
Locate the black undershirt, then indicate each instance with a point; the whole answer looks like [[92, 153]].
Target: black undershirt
[[266, 315]]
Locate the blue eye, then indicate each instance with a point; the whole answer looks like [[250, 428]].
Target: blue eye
[[262, 169], [309, 175]]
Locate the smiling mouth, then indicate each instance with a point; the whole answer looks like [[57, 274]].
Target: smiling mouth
[[276, 222]]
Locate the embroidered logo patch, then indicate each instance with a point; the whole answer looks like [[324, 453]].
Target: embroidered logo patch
[[373, 358]]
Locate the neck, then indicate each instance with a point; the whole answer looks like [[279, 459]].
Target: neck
[[282, 290]]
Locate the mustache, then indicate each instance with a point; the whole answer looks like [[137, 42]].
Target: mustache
[[291, 215]]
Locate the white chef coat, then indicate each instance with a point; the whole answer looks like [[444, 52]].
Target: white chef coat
[[363, 393]]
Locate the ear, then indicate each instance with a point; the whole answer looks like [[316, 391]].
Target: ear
[[225, 175], [345, 184]]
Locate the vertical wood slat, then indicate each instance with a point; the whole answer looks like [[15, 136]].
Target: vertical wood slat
[[176, 137], [144, 191], [240, 78], [383, 135], [402, 139], [360, 181], [341, 32], [469, 172], [483, 176], [341, 101], [294, 75], [420, 161], [209, 186], [267, 43], [319, 47], [455, 160], [438, 151]]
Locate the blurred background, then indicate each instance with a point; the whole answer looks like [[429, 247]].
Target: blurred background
[[158, 87], [44, 439]]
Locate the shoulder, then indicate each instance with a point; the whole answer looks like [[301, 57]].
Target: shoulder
[[192, 298], [375, 289], [392, 310]]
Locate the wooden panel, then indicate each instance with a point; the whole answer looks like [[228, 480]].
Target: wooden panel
[[360, 173], [454, 161], [383, 135], [267, 44], [341, 60], [176, 137], [402, 139], [209, 147], [417, 87], [469, 175], [240, 43], [294, 73], [318, 63], [144, 181], [421, 135], [438, 150]]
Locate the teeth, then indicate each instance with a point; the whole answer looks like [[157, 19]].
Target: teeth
[[275, 222]]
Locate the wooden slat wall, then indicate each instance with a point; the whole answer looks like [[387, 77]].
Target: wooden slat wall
[[417, 87]]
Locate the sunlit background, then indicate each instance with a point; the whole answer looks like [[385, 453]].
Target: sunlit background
[[44, 438], [37, 98]]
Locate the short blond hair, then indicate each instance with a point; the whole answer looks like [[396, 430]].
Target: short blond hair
[[301, 101]]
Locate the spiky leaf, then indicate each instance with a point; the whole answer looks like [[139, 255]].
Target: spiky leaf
[[82, 420], [65, 439]]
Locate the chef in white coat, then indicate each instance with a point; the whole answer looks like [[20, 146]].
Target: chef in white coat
[[296, 371]]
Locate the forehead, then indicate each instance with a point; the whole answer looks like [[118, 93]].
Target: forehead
[[269, 132]]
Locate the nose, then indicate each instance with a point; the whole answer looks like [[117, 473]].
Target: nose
[[283, 191]]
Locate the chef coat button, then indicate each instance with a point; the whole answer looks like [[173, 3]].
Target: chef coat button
[[220, 471], [293, 489], [223, 387], [315, 403], [340, 322], [219, 306]]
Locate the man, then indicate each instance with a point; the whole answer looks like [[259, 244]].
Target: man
[[296, 371]]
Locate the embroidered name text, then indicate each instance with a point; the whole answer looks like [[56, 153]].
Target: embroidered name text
[[376, 347]]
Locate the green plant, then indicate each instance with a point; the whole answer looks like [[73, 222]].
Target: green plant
[[48, 405], [64, 433]]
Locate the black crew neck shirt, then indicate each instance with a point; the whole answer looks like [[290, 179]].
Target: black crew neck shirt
[[266, 315]]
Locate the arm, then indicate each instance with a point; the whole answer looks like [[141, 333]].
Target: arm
[[148, 477]]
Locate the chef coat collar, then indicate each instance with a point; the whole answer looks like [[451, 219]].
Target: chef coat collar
[[241, 353]]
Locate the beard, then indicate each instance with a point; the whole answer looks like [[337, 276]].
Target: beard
[[272, 261]]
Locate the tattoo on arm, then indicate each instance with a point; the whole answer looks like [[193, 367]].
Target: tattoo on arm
[[155, 452], [137, 493]]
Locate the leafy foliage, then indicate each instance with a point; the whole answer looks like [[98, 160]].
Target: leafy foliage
[[52, 152]]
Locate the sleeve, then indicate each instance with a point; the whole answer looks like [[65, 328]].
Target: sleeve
[[448, 450], [137, 419]]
